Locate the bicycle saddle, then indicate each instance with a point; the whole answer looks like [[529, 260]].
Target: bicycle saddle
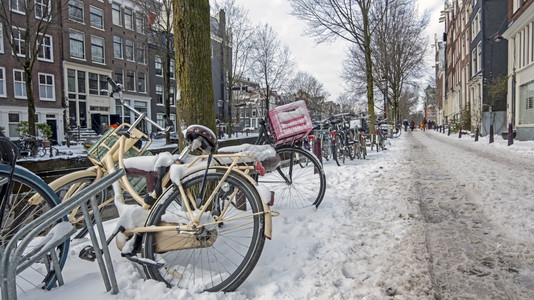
[[208, 141]]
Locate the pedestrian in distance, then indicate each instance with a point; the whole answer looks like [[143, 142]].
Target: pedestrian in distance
[[405, 124]]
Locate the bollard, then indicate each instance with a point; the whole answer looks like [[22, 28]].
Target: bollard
[[491, 134], [510, 134], [460, 133], [477, 131]]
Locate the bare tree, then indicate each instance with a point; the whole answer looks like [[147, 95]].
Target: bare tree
[[399, 50], [273, 64], [237, 58], [351, 20], [26, 26], [193, 63], [305, 86]]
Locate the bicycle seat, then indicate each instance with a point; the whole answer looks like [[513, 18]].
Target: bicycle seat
[[208, 141]]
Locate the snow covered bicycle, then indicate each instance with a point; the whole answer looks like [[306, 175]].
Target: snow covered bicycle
[[202, 220]]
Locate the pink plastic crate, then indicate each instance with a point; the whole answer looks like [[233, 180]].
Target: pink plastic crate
[[290, 121]]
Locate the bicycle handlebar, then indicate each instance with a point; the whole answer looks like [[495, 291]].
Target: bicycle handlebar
[[117, 88]]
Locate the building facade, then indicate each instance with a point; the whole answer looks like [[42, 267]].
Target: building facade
[[520, 36]]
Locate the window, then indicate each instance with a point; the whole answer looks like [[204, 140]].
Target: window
[[3, 82], [140, 23], [140, 53], [141, 82], [19, 84], [171, 96], [96, 17], [97, 49], [14, 120], [479, 52], [116, 14], [71, 83], [159, 94], [1, 38], [46, 53], [130, 80], [171, 67], [81, 83], [117, 47], [526, 103], [159, 120], [93, 84], [18, 42], [474, 62], [42, 9], [475, 25], [158, 66], [128, 18], [77, 45], [119, 77], [129, 50], [103, 85], [530, 103], [17, 6], [76, 10], [46, 87]]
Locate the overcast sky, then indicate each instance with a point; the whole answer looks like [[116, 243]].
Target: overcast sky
[[323, 61]]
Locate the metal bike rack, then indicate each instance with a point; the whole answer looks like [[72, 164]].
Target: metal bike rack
[[14, 260]]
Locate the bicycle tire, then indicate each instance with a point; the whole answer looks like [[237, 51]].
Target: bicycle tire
[[339, 148], [304, 186], [69, 185], [231, 247], [41, 152], [17, 212], [349, 147]]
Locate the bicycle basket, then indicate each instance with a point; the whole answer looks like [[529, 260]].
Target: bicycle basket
[[100, 149], [289, 122]]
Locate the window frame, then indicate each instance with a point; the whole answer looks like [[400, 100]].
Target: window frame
[[131, 48], [102, 47], [22, 84], [82, 41], [158, 66], [41, 55], [42, 4], [160, 100], [140, 53], [47, 86], [130, 81], [93, 15], [18, 9], [117, 45], [19, 42], [2, 49], [3, 82], [114, 13], [77, 7], [129, 21], [141, 82]]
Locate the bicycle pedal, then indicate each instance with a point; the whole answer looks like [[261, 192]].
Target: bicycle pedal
[[88, 253]]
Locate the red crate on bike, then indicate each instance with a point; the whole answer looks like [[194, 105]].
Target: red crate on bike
[[290, 121]]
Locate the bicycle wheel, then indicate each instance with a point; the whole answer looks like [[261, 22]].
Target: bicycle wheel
[[218, 257], [293, 186], [68, 185], [16, 212], [349, 145], [397, 131], [41, 151]]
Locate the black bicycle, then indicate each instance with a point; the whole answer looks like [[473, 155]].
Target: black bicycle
[[299, 181]]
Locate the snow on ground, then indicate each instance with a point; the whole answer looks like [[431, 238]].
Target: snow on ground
[[365, 241]]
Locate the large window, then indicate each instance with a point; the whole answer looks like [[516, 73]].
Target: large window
[[17, 6], [46, 53], [42, 9], [119, 76], [158, 66], [128, 18], [18, 41], [140, 23], [526, 103], [76, 10], [130, 80], [98, 84], [116, 14], [140, 53], [129, 50], [141, 82], [46, 87], [96, 16], [117, 47], [97, 49], [19, 84], [3, 82], [77, 45], [159, 94]]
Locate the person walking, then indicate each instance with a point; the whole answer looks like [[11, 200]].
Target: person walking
[[405, 124]]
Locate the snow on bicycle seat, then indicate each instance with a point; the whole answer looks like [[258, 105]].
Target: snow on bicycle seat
[[266, 155], [148, 166]]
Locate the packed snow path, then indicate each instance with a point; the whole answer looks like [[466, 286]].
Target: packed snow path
[[474, 204]]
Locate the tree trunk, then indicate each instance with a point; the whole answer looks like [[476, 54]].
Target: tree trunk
[[193, 62]]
